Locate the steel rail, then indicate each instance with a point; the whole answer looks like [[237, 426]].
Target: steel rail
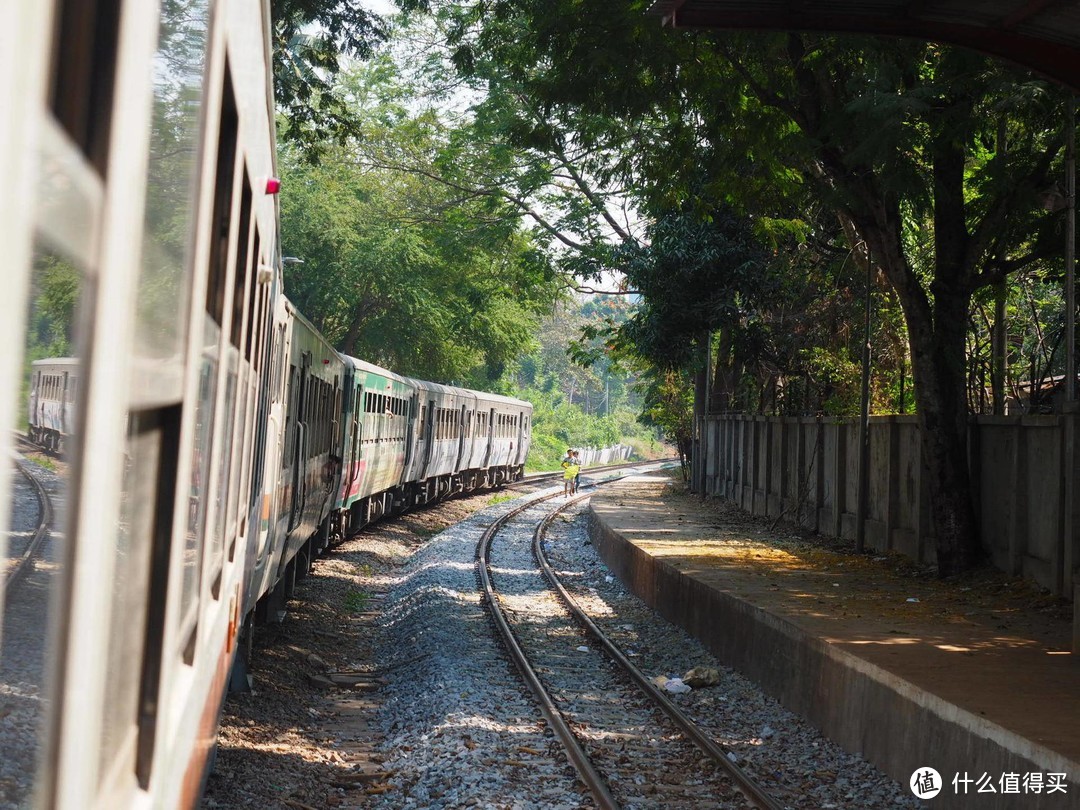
[[45, 519], [580, 760], [593, 781], [746, 785], [534, 478]]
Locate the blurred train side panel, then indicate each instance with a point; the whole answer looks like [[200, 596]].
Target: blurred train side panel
[[213, 442], [137, 141], [54, 391]]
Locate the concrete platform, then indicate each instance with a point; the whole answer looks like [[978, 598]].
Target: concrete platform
[[973, 677]]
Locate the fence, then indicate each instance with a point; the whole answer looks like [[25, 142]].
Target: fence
[[591, 456], [1024, 470]]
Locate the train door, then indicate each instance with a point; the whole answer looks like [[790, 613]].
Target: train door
[[429, 437], [300, 442], [410, 430], [62, 425], [515, 456], [31, 410], [461, 436], [357, 440], [490, 429]]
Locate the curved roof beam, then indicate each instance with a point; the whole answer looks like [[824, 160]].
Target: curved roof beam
[[1043, 35]]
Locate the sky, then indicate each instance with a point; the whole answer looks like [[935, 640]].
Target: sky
[[379, 6]]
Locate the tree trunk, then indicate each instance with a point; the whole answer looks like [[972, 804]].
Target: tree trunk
[[938, 372], [726, 374], [936, 332]]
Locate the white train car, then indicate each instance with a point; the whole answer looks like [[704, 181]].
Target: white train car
[[438, 441], [53, 400], [137, 142], [379, 442], [503, 441]]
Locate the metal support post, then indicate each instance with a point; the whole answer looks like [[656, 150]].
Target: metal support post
[[864, 421]]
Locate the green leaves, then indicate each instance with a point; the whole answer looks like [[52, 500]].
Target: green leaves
[[310, 40], [401, 269]]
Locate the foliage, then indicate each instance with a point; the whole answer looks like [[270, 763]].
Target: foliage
[[928, 157], [357, 601], [669, 405], [696, 273], [311, 39], [578, 405], [51, 329], [423, 281]]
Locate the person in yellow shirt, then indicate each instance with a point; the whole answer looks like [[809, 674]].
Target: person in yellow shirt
[[571, 468]]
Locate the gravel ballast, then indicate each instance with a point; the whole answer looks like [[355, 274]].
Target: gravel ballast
[[451, 724]]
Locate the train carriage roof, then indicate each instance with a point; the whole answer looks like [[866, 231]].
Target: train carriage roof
[[445, 390], [502, 400], [371, 368], [479, 396], [56, 361]]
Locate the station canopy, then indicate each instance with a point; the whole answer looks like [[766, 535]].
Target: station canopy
[[1043, 35]]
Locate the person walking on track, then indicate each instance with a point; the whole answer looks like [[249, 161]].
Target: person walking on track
[[571, 468]]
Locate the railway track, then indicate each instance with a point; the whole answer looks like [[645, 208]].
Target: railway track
[[630, 745], [26, 536], [539, 478], [32, 574]]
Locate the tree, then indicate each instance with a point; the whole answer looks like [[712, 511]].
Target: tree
[[311, 40], [669, 405], [898, 139], [386, 285]]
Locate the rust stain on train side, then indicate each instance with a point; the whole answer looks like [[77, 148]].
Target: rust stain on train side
[[191, 789]]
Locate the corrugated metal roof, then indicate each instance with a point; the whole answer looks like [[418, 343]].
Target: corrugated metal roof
[[1043, 35]]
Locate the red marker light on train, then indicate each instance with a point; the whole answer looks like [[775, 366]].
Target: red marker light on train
[[273, 185]]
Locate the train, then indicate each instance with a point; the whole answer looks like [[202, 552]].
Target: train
[[215, 443]]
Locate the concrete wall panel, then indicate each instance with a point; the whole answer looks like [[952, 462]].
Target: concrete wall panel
[[808, 469]]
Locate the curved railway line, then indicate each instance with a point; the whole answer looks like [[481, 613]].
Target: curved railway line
[[537, 478], [629, 743], [21, 552]]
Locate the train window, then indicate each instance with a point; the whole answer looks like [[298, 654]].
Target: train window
[[27, 659], [221, 217], [258, 442], [135, 649], [240, 273], [199, 497], [254, 297], [277, 373], [85, 53], [258, 321], [224, 484], [169, 214]]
